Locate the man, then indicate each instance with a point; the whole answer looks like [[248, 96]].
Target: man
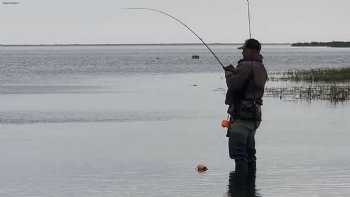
[[245, 85]]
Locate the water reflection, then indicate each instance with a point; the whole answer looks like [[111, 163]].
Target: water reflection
[[241, 185]]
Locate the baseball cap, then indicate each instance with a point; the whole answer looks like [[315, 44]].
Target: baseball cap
[[251, 44]]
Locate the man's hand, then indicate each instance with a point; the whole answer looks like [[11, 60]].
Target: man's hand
[[229, 70]]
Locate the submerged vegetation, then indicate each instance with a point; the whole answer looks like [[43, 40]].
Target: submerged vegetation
[[315, 84], [332, 92]]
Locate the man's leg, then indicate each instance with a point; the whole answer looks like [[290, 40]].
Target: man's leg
[[238, 135], [251, 148], [251, 153]]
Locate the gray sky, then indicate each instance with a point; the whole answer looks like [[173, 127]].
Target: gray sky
[[102, 21]]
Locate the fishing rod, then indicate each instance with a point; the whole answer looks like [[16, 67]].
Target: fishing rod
[[249, 20], [182, 23]]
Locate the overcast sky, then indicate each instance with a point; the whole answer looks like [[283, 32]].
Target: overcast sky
[[103, 21]]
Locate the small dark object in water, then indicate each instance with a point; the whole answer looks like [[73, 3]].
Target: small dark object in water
[[201, 168], [195, 85], [195, 57]]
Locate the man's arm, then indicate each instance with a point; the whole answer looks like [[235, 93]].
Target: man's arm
[[235, 79]]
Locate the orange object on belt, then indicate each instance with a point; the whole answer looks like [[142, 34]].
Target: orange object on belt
[[225, 124]]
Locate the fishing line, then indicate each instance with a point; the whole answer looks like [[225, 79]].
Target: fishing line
[[182, 23]]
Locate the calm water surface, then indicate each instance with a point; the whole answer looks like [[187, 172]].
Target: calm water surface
[[134, 121]]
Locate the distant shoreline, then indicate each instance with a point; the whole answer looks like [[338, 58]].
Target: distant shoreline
[[338, 44], [150, 44]]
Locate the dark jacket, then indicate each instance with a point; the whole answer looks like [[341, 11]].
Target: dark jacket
[[246, 85]]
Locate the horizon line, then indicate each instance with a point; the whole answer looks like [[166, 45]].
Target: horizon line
[[137, 44]]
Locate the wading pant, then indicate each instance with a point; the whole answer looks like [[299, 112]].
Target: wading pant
[[242, 145]]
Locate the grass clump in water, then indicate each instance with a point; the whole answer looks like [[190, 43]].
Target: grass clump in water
[[319, 75], [331, 84]]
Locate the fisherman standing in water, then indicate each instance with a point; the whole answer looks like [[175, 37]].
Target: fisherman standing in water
[[245, 85]]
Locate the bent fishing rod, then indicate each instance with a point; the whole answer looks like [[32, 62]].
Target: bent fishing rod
[[182, 23], [193, 32]]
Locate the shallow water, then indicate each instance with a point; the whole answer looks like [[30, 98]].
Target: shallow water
[[68, 128]]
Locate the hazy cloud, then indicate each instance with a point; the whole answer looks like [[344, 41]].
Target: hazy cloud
[[102, 21]]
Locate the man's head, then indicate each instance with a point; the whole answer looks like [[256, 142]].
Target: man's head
[[251, 49]]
